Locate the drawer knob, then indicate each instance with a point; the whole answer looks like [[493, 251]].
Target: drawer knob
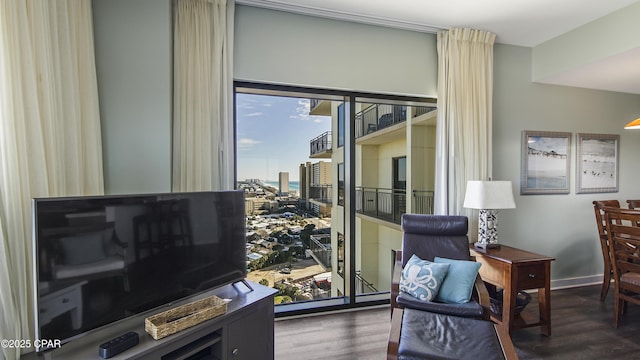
[[532, 276], [234, 352]]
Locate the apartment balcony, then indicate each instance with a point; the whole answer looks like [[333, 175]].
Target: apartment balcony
[[373, 120], [320, 146], [320, 246], [319, 107], [378, 117], [321, 193], [390, 204], [383, 204]]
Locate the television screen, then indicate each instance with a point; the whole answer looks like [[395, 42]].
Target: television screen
[[102, 259]]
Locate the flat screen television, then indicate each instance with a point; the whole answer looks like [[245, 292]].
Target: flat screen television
[[101, 259]]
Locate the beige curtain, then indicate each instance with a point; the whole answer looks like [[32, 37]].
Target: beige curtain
[[203, 143], [50, 141], [464, 121]]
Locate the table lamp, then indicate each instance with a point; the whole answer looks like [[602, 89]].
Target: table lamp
[[488, 197]]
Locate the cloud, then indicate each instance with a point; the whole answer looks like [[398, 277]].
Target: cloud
[[253, 114], [246, 143], [302, 112]]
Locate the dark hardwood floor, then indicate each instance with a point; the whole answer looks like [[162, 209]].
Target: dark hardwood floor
[[582, 328]]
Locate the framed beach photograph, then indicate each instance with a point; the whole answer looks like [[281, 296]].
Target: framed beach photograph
[[597, 163], [545, 162]]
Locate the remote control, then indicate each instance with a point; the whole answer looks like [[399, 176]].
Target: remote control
[[117, 345]]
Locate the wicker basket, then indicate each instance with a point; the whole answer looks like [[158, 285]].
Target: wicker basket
[[522, 300], [184, 316]]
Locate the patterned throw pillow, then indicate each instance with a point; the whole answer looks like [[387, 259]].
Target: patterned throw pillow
[[422, 279]]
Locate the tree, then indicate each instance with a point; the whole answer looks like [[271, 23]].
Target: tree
[[305, 234], [282, 299], [264, 282]]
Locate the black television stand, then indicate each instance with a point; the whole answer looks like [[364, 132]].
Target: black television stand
[[244, 332]]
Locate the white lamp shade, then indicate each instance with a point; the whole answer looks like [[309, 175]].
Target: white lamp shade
[[489, 195]]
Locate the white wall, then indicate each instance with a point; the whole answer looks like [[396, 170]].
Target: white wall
[[133, 62]]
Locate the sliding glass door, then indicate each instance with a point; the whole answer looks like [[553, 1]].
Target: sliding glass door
[[327, 176]]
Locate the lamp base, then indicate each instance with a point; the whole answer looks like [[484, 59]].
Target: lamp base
[[485, 246], [487, 230]]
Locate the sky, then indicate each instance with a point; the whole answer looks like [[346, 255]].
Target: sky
[[547, 143], [273, 135]]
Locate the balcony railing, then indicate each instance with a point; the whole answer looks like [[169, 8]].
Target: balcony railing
[[313, 103], [363, 286], [381, 116], [320, 246], [384, 204], [420, 110], [378, 117], [321, 144], [422, 202], [321, 193], [390, 204]]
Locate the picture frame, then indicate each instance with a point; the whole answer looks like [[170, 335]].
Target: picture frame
[[597, 163], [545, 162]]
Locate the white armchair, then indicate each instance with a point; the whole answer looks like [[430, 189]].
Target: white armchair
[[88, 252]]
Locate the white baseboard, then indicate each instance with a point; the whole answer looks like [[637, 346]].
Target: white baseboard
[[576, 282]]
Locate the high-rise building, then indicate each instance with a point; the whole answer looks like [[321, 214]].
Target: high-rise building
[[315, 186], [304, 176], [391, 173], [321, 173], [283, 183]]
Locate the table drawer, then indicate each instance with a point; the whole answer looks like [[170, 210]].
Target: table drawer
[[531, 277], [53, 306]]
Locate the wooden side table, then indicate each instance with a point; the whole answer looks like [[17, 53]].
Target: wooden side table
[[514, 270], [60, 298]]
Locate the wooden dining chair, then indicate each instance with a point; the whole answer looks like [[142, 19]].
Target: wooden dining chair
[[633, 204], [598, 207], [624, 246]]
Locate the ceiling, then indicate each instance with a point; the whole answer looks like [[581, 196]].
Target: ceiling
[[515, 22]]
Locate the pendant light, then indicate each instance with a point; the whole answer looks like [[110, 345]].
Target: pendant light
[[635, 124]]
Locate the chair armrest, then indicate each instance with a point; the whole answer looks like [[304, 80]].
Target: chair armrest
[[395, 280], [483, 299], [394, 334]]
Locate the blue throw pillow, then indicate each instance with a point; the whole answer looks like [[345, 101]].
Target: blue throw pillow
[[458, 284], [421, 278]]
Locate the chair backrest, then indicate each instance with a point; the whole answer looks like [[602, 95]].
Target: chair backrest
[[429, 236], [633, 204], [598, 207], [624, 239]]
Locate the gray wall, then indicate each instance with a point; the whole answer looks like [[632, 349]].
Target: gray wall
[[133, 61], [280, 47], [562, 226]]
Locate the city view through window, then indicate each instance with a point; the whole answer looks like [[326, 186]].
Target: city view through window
[[288, 239], [304, 236]]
